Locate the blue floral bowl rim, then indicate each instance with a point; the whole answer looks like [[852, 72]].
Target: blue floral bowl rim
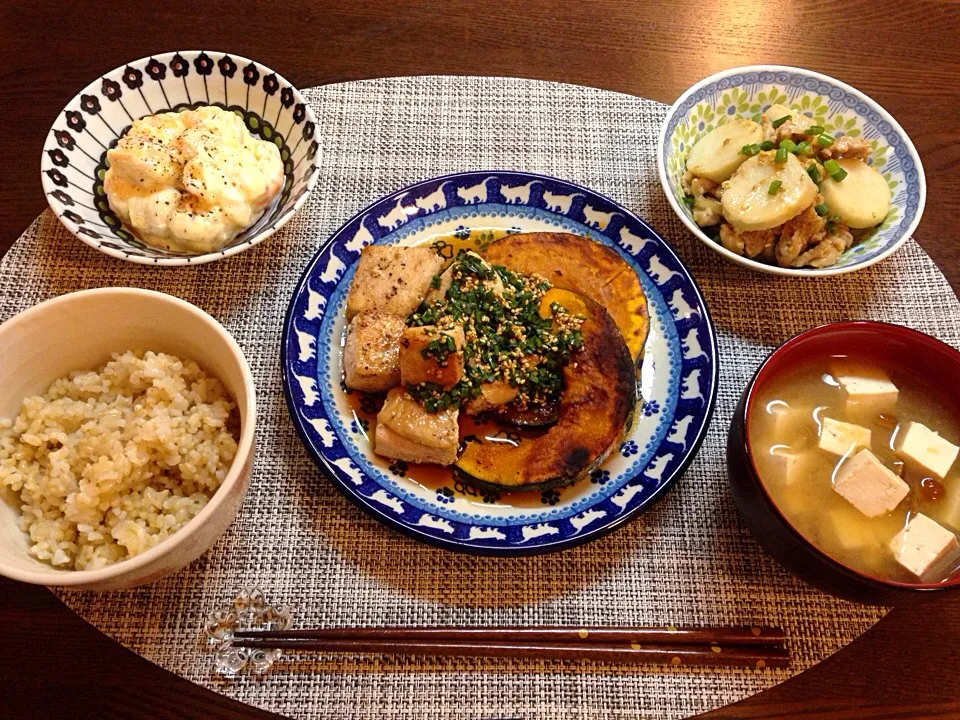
[[179, 261], [754, 264], [325, 467]]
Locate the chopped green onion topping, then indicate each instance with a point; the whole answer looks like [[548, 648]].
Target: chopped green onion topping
[[789, 144], [774, 187], [814, 130], [803, 148], [688, 200], [781, 156], [767, 145], [780, 121], [750, 150], [834, 170], [824, 140], [813, 173], [822, 208]]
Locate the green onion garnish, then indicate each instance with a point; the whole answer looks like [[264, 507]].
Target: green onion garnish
[[777, 123], [781, 156], [813, 173], [834, 170], [767, 145], [822, 208], [803, 148], [774, 187], [750, 150], [824, 140], [788, 144], [814, 130], [688, 200]]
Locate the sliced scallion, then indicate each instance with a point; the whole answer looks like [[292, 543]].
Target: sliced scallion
[[814, 130], [789, 144], [824, 140], [688, 200], [780, 121], [767, 145], [750, 150], [813, 173], [781, 156], [774, 187], [803, 148], [834, 170], [821, 209]]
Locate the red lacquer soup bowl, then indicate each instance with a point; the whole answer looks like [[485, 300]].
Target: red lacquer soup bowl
[[888, 345]]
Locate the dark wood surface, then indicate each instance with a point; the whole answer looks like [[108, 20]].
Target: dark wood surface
[[905, 55]]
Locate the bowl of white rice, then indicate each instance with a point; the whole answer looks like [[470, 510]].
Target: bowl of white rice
[[126, 438]]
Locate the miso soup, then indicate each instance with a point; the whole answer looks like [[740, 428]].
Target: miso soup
[[862, 460]]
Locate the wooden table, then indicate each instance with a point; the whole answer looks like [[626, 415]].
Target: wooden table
[[905, 55]]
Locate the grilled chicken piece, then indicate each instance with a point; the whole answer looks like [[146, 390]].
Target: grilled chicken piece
[[800, 233], [415, 368], [371, 355], [492, 394], [406, 431], [749, 243], [392, 279], [848, 147], [828, 250]]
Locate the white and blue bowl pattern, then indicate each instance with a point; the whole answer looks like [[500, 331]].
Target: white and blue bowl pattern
[[74, 162], [678, 378], [842, 110]]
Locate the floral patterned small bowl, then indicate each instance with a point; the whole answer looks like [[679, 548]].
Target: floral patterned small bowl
[[842, 110], [74, 161]]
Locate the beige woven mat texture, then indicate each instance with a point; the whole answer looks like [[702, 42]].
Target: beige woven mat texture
[[688, 560]]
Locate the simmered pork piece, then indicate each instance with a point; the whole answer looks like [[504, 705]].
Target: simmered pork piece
[[431, 355], [392, 279], [406, 431], [371, 355]]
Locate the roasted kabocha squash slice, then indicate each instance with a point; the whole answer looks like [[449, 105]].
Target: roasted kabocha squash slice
[[586, 267], [596, 403]]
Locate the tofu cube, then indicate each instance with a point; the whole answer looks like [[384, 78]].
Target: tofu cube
[[851, 530], [949, 507], [868, 485], [919, 444], [791, 466], [371, 354], [867, 390], [392, 279], [788, 420], [416, 368], [841, 438], [925, 548], [406, 431]]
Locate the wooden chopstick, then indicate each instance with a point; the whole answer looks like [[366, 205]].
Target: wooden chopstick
[[741, 647], [755, 635]]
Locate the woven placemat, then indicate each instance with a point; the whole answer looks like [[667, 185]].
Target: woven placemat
[[688, 560]]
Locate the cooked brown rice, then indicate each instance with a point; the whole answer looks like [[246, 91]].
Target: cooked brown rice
[[109, 463]]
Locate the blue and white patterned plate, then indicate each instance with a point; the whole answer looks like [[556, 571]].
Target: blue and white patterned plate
[[678, 378], [745, 92]]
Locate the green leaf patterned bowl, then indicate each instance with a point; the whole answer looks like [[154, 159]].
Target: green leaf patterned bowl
[[745, 92]]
